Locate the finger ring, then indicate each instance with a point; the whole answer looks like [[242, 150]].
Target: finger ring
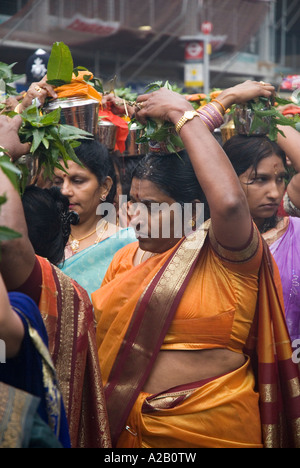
[[38, 89], [263, 83]]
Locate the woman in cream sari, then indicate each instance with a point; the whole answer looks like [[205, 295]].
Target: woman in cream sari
[[179, 315]]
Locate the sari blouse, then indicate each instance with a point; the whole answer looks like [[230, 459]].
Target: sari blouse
[[215, 311]]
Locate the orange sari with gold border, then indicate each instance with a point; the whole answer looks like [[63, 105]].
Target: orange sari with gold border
[[128, 343]]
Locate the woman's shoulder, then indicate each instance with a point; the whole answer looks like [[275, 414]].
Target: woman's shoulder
[[277, 232], [126, 252]]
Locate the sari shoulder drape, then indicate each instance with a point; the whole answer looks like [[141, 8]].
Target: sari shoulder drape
[[139, 348], [286, 252], [89, 266], [69, 319], [277, 375]]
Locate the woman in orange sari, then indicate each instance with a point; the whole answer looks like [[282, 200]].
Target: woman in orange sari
[[179, 314]]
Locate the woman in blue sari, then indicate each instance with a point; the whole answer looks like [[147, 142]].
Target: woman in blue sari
[[91, 190], [28, 365]]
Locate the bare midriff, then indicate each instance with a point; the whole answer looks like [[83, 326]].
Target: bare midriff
[[174, 368]]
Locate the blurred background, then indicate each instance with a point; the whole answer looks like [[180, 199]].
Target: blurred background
[[196, 44]]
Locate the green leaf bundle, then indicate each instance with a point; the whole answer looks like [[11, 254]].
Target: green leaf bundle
[[50, 140], [157, 130], [13, 174], [265, 116]]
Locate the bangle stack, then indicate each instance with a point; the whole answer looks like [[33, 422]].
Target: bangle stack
[[220, 104], [211, 116]]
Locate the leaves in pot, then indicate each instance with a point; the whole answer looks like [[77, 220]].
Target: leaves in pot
[[50, 140], [157, 130]]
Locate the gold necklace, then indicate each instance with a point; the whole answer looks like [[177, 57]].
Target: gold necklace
[[74, 244], [104, 229]]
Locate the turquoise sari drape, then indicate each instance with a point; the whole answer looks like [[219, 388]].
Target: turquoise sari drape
[[89, 266]]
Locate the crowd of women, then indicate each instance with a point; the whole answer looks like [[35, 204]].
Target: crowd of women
[[119, 338]]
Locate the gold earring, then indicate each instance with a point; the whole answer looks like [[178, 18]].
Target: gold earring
[[192, 222]]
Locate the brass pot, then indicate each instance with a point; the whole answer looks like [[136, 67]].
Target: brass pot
[[243, 120], [79, 112], [107, 133], [227, 131], [132, 148]]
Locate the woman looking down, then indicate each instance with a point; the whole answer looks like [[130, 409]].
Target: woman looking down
[[176, 312]]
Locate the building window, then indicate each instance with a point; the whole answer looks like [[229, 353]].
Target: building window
[[11, 7]]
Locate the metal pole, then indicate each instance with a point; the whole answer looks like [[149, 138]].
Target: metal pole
[[283, 32], [206, 86]]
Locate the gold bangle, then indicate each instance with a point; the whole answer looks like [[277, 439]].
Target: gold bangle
[[222, 105]]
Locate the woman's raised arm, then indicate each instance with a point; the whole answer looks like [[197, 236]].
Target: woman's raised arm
[[17, 256], [231, 219]]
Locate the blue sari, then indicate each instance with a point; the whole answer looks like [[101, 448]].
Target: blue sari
[[89, 266], [32, 369]]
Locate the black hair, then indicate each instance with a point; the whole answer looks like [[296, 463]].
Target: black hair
[[125, 165], [95, 157], [247, 151], [174, 174], [244, 152], [48, 221]]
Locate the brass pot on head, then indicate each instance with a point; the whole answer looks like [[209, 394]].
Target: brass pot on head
[[77, 111]]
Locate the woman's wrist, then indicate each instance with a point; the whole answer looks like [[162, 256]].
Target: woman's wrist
[[175, 115], [225, 99]]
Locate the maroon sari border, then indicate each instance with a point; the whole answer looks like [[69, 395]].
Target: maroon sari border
[[133, 330]]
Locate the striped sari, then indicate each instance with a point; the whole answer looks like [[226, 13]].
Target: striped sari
[[68, 316]]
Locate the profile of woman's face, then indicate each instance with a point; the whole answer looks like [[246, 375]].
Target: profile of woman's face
[[155, 216], [81, 187], [264, 188]]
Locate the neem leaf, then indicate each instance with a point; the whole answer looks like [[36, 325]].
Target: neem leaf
[[60, 64]]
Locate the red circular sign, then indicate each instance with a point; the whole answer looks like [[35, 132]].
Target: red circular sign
[[194, 50]]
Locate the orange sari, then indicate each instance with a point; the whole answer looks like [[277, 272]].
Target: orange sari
[[130, 306], [69, 320]]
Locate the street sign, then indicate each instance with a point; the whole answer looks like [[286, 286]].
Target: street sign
[[194, 51], [193, 75], [206, 27]]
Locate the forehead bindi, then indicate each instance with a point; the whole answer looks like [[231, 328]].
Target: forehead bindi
[[271, 165]]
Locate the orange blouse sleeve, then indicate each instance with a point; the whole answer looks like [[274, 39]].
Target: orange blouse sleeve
[[235, 259]]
